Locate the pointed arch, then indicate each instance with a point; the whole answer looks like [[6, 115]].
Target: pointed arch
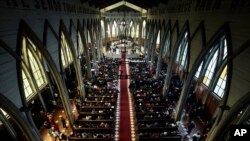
[[114, 29], [144, 23], [86, 51], [33, 63], [80, 47], [119, 31], [207, 52], [65, 51], [164, 49], [131, 28], [167, 41], [23, 105], [102, 28], [15, 114], [108, 29], [25, 31], [180, 46], [67, 43], [220, 49], [182, 56], [158, 39]]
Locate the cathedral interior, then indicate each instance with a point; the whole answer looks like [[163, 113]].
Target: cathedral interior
[[124, 70]]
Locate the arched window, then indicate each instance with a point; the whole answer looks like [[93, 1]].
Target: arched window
[[158, 37], [114, 29], [213, 60], [197, 74], [166, 45], [88, 35], [181, 58], [122, 27], [63, 58], [210, 69], [221, 83], [80, 45], [33, 63], [144, 29], [131, 25], [216, 55], [133, 32], [137, 31], [28, 90], [103, 28], [108, 30], [66, 55]]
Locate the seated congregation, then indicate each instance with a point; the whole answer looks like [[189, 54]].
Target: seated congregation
[[154, 111]]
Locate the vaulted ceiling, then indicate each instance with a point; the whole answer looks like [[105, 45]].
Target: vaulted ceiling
[[145, 4]]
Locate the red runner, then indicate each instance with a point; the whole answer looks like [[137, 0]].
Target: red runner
[[125, 130]]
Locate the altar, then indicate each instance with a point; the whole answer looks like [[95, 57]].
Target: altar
[[119, 46]]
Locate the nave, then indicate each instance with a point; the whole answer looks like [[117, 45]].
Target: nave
[[65, 73], [125, 103]]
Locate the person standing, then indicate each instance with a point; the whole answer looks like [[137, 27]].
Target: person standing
[[63, 122]]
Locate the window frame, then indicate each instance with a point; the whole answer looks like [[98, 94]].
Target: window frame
[[65, 52], [218, 45], [29, 53], [166, 50], [182, 47]]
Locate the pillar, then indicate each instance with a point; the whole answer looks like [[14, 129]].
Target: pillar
[[48, 79], [30, 133], [218, 131], [80, 87], [169, 72], [8, 126], [155, 35], [159, 60], [93, 47], [149, 42], [105, 30], [140, 32], [63, 93], [99, 43], [86, 53], [145, 42]]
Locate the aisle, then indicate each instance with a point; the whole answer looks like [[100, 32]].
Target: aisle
[[125, 127]]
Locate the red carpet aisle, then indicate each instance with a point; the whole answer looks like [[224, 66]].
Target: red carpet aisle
[[125, 127]]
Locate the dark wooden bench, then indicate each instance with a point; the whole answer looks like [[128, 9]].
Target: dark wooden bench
[[90, 139], [168, 138]]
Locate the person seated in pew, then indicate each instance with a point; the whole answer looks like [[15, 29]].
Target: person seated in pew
[[102, 125], [84, 135], [155, 124]]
